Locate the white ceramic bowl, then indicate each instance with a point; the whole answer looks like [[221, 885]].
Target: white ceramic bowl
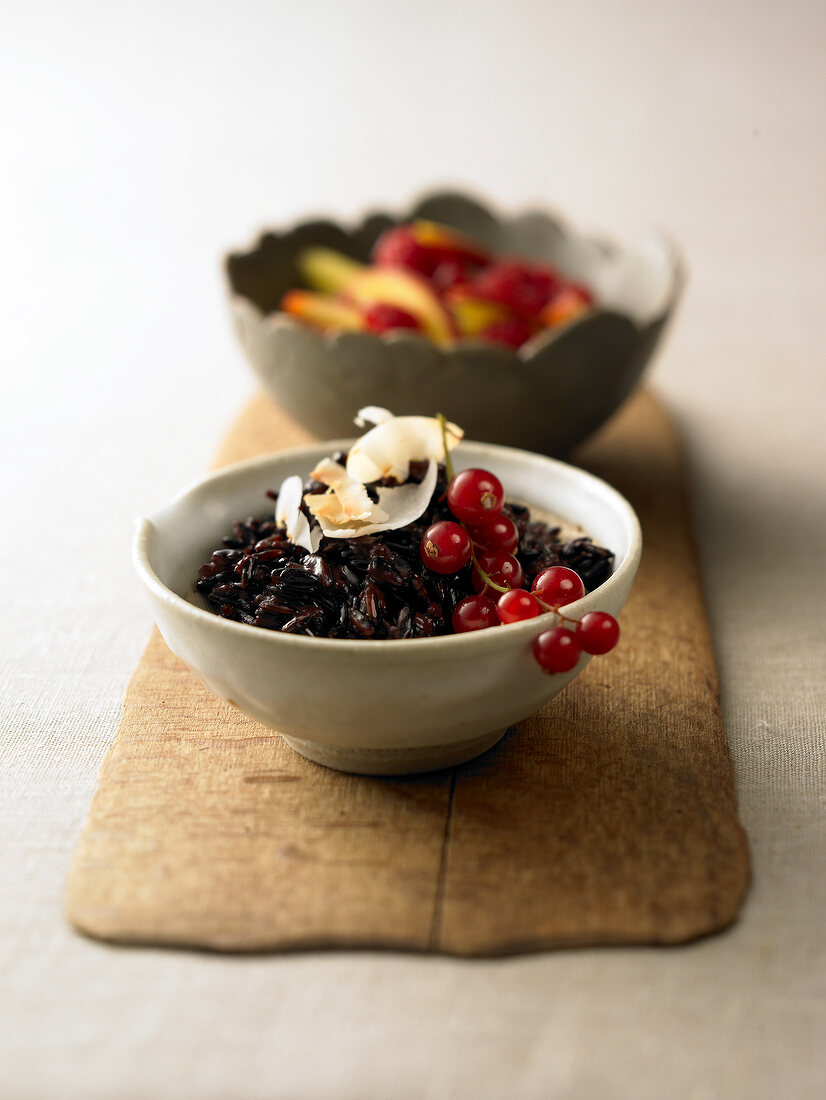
[[374, 707]]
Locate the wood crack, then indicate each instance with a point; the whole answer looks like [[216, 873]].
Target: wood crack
[[439, 901]]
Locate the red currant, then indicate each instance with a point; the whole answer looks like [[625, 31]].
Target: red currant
[[475, 496], [503, 569], [516, 605], [500, 534], [558, 586], [474, 613], [557, 649], [382, 317], [445, 547], [598, 632]]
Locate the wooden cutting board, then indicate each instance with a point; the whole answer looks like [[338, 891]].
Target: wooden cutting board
[[608, 817]]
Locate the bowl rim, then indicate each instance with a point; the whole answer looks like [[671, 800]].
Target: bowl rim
[[481, 639], [534, 347], [531, 350]]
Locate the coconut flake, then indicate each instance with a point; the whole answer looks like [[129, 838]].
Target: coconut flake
[[305, 535], [347, 499], [371, 414], [288, 514], [388, 449], [288, 502], [402, 504]]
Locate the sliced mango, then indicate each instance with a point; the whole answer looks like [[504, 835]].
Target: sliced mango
[[565, 305], [471, 314], [326, 270], [397, 287], [326, 311]]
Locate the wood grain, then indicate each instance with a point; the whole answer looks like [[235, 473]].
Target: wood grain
[[608, 817]]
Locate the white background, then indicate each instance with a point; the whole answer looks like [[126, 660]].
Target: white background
[[140, 141]]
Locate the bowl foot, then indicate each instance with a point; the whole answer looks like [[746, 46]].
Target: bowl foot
[[426, 758]]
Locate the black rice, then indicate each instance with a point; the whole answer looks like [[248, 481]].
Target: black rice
[[375, 586]]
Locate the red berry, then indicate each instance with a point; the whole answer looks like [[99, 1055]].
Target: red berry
[[510, 331], [557, 649], [451, 272], [474, 613], [558, 586], [598, 632], [500, 534], [445, 547], [397, 247], [475, 496], [526, 288], [381, 317], [503, 569], [516, 605]]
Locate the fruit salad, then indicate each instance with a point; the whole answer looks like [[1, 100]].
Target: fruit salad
[[431, 279]]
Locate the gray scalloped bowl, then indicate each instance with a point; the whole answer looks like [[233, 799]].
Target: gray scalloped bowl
[[546, 397]]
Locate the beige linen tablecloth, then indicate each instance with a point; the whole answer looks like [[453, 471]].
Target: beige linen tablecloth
[[138, 144]]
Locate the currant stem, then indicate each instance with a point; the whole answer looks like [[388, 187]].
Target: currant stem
[[554, 609], [448, 461], [449, 472], [485, 576]]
